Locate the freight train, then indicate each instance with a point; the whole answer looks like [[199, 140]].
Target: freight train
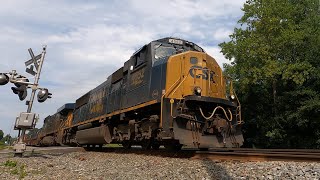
[[169, 93]]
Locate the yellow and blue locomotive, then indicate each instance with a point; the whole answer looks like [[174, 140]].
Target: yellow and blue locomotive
[[170, 92]]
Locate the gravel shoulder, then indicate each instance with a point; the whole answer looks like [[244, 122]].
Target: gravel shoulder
[[110, 165]]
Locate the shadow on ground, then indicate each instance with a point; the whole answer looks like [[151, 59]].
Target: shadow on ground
[[44, 155], [215, 170]]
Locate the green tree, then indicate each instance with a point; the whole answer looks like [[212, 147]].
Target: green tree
[[1, 134], [275, 52], [7, 138]]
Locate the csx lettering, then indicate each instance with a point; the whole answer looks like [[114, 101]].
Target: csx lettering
[[204, 73], [137, 77], [97, 96], [97, 107]]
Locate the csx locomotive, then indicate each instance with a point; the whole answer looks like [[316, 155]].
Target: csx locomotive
[[170, 92]]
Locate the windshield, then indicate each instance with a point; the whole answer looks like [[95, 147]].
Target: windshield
[[163, 51]]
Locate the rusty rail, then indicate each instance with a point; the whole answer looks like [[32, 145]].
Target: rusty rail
[[228, 154], [218, 154], [243, 154]]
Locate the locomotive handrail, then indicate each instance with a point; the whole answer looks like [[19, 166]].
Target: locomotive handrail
[[238, 110], [169, 92], [174, 90], [179, 84], [213, 112], [162, 97]]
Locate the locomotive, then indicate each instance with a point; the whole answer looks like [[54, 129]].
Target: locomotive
[[50, 133], [170, 92]]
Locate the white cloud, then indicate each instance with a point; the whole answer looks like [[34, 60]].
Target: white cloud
[[88, 40], [214, 51], [107, 44], [184, 9], [222, 34]]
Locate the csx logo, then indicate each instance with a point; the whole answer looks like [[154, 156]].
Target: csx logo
[[204, 73]]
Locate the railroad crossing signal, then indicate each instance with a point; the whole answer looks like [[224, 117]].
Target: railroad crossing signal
[[43, 95], [21, 90], [34, 60], [4, 79], [22, 84]]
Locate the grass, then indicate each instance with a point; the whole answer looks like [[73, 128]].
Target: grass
[[9, 163], [16, 169], [113, 145], [5, 146], [2, 146]]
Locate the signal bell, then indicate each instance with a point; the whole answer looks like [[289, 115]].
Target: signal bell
[[43, 95], [4, 79]]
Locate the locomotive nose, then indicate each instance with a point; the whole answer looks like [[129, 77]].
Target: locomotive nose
[[194, 73], [204, 74]]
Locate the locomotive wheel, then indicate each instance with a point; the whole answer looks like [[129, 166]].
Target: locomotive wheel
[[146, 144], [126, 144], [100, 146], [155, 146], [87, 147], [173, 147]]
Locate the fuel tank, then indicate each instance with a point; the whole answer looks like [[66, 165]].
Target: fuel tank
[[97, 135]]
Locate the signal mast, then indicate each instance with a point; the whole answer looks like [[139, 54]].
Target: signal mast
[[26, 120]]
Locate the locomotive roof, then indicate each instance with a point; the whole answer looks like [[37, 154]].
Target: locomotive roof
[[174, 41], [65, 107], [179, 41]]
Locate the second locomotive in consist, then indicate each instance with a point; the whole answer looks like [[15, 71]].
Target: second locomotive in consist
[[51, 133], [170, 92]]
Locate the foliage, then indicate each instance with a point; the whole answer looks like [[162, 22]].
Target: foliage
[[21, 171], [2, 146], [6, 138], [16, 169], [275, 54], [10, 163], [1, 134]]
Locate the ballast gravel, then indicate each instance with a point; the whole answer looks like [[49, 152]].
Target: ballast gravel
[[110, 165]]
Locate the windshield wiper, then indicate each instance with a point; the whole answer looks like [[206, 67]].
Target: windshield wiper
[[158, 46]]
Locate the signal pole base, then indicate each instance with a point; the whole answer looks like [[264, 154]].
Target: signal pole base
[[19, 149]]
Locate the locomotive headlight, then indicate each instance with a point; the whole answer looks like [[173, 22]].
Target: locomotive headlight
[[232, 97], [197, 91]]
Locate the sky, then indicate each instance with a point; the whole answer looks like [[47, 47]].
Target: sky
[[88, 40]]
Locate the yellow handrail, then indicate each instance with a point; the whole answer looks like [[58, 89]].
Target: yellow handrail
[[238, 109], [161, 111], [168, 93]]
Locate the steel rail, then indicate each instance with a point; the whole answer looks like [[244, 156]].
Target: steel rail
[[216, 154], [260, 154]]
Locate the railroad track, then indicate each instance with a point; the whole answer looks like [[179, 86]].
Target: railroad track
[[218, 154], [243, 154], [226, 154]]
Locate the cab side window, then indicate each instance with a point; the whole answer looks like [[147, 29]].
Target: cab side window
[[140, 57]]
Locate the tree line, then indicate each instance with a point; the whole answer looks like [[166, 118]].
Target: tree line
[[6, 139], [275, 54]]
